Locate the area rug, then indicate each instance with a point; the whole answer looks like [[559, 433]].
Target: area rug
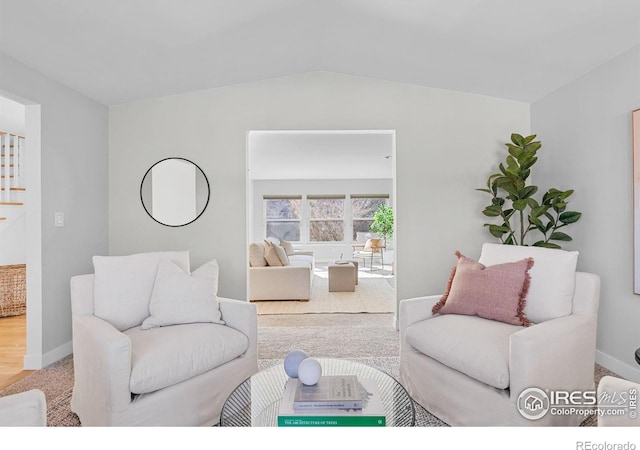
[[366, 338], [372, 295]]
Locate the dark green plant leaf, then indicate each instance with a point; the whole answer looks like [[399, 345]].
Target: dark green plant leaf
[[524, 174], [546, 244], [498, 231], [509, 188], [492, 211], [537, 211], [569, 217], [520, 205], [517, 139], [532, 147], [514, 151], [559, 236], [566, 194], [528, 191], [559, 206], [512, 163], [537, 223], [528, 163]]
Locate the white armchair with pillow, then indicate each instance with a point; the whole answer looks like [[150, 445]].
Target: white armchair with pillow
[[509, 328], [153, 345]]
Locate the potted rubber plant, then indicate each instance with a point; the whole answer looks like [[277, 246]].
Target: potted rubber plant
[[514, 206]]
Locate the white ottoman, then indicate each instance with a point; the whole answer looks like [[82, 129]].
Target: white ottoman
[[342, 277]]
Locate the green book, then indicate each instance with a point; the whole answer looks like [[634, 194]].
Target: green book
[[371, 415]]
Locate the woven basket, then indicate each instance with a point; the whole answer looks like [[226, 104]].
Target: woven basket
[[13, 290]]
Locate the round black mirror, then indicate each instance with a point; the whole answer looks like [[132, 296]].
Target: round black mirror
[[174, 192]]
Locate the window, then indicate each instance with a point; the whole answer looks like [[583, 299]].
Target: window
[[283, 217], [362, 209], [326, 218]]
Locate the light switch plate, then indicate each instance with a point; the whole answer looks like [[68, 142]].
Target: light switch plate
[[58, 219]]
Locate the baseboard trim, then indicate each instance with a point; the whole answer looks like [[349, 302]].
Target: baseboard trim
[[626, 371], [37, 362]]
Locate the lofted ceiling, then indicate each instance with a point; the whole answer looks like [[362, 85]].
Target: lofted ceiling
[[118, 52]]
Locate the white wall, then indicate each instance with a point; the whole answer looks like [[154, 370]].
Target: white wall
[[69, 146], [447, 143], [322, 251], [12, 116], [585, 130]]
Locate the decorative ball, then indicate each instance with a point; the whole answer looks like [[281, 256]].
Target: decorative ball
[[309, 371], [292, 361]]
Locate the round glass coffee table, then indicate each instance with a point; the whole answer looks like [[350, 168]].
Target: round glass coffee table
[[256, 401]]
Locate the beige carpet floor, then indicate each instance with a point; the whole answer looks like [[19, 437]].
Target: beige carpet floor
[[374, 294], [366, 338]]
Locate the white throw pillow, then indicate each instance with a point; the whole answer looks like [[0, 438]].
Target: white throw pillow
[[287, 246], [271, 254], [553, 277], [123, 285], [180, 298], [282, 254], [256, 255]]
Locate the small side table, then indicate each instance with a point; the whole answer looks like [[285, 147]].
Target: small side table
[[342, 277]]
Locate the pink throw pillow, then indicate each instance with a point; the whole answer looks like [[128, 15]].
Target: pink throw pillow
[[496, 292]]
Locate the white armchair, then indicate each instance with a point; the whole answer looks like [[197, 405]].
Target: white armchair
[[469, 370], [618, 402], [178, 375], [25, 409]]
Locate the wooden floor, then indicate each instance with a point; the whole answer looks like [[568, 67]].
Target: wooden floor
[[13, 347]]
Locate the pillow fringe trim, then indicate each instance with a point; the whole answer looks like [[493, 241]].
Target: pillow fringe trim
[[444, 297], [523, 294]]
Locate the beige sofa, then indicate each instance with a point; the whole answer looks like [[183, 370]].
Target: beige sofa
[[282, 282]]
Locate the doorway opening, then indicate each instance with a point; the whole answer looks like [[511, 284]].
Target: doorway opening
[[20, 239], [318, 192]]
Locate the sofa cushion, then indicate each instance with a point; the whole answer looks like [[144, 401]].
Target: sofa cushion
[[553, 277], [287, 246], [472, 345], [165, 356], [123, 285], [256, 255], [299, 260], [282, 254], [495, 292], [271, 255], [275, 254], [182, 298]]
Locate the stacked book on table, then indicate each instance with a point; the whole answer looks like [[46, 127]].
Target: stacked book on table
[[338, 401]]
